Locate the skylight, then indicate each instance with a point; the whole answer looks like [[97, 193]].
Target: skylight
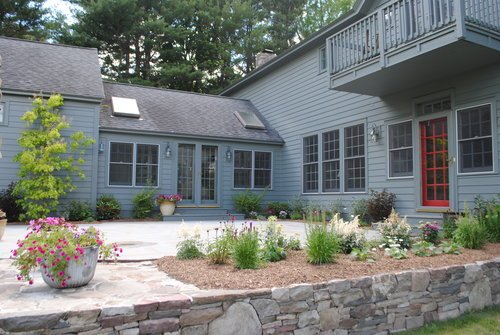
[[125, 107], [249, 120]]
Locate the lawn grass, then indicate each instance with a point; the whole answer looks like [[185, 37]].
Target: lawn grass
[[486, 322]]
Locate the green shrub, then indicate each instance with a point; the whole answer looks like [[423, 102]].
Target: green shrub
[[492, 224], [359, 208], [350, 234], [470, 233], [322, 245], [293, 243], [78, 211], [297, 205], [380, 205], [144, 203], [9, 204], [450, 247], [337, 207], [449, 225], [482, 207], [107, 208], [245, 253], [273, 241], [296, 216], [219, 251], [395, 230], [189, 249], [276, 207], [247, 201]]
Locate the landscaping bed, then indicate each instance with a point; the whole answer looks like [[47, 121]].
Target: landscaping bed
[[295, 269]]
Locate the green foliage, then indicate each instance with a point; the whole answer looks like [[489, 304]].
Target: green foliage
[[380, 205], [245, 253], [78, 211], [482, 206], [297, 205], [491, 223], [9, 203], [450, 247], [337, 207], [144, 203], [274, 241], [24, 19], [107, 208], [362, 254], [426, 249], [277, 208], [293, 243], [449, 225], [247, 201], [296, 216], [359, 208], [321, 13], [219, 251], [396, 253], [395, 230], [322, 244], [189, 249], [47, 160], [470, 233], [429, 232]]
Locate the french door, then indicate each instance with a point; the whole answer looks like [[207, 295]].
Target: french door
[[197, 174], [434, 158]]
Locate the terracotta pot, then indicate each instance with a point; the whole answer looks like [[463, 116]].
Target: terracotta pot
[[3, 223], [81, 272], [167, 207]]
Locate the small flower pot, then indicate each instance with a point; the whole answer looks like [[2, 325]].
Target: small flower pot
[[3, 224], [81, 271], [167, 208]]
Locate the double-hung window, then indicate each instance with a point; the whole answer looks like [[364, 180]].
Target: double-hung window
[[354, 158], [322, 59], [310, 164], [331, 161], [475, 140], [133, 164], [400, 149], [3, 118], [252, 169]]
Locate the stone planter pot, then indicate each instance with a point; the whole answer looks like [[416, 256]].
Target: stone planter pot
[[81, 272], [167, 207], [3, 224]]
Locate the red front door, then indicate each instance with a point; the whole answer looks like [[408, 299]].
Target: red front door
[[434, 146]]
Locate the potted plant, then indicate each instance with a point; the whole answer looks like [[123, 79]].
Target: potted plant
[[66, 254], [3, 222], [167, 203]]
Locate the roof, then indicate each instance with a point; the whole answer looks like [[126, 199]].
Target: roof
[[359, 8], [36, 67], [179, 113]]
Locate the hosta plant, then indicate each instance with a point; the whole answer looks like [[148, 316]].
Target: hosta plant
[[51, 243]]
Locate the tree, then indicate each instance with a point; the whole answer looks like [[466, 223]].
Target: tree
[[25, 19], [320, 13], [48, 159]]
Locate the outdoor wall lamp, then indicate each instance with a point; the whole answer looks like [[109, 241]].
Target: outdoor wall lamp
[[229, 155], [168, 151], [374, 133], [101, 147]]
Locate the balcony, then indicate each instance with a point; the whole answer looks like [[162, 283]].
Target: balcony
[[409, 43]]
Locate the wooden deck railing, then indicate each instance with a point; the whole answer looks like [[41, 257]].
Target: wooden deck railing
[[401, 22]]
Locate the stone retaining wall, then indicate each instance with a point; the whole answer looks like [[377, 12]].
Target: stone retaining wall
[[382, 304]]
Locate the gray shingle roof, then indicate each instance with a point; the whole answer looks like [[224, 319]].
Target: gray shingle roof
[[181, 113], [35, 67]]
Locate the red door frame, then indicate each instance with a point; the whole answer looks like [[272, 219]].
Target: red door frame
[[435, 170]]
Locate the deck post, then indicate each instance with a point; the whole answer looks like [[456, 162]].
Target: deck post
[[460, 18]]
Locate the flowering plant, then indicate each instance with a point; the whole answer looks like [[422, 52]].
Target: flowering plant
[[2, 215], [351, 235], [52, 243], [429, 232], [168, 197], [395, 228]]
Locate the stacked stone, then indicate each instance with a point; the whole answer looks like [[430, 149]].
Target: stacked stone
[[382, 304]]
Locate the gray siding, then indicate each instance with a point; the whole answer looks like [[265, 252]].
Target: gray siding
[[168, 167], [295, 99], [82, 116]]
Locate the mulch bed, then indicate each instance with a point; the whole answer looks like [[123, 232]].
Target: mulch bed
[[295, 269]]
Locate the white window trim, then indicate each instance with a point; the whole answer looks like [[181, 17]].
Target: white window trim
[[493, 140], [412, 150], [341, 129], [252, 175], [134, 162], [320, 68]]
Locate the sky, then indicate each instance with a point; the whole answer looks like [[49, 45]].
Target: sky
[[61, 6]]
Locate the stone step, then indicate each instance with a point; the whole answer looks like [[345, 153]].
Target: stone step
[[202, 214]]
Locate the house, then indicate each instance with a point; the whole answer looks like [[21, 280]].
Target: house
[[398, 95], [177, 142]]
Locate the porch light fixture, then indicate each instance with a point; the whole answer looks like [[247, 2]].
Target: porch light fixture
[[374, 133], [168, 151], [229, 155], [101, 147]]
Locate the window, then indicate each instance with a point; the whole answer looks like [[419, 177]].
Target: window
[[252, 169], [331, 161], [354, 156], [2, 114], [475, 141], [400, 149], [133, 164], [310, 164], [322, 59]]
